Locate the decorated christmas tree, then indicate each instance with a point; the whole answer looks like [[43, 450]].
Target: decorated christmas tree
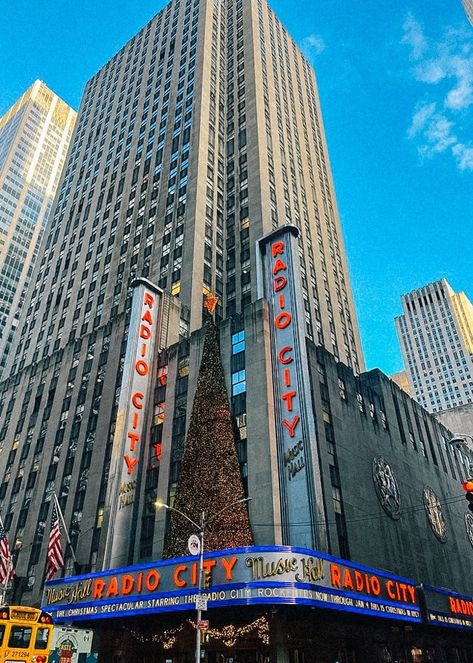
[[210, 477]]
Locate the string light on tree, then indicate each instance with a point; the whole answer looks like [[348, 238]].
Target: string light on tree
[[227, 635], [210, 472]]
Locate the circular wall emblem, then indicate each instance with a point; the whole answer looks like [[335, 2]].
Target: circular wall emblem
[[434, 513], [469, 526], [387, 487]]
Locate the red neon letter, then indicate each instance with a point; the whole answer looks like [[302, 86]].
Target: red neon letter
[[287, 398], [137, 399], [278, 266], [145, 332], [177, 580], [228, 566], [130, 463], [134, 439], [281, 355], [128, 582], [149, 300], [335, 575], [146, 317], [283, 320], [141, 367], [112, 589], [208, 565], [277, 249], [152, 580], [279, 283], [291, 425], [97, 591]]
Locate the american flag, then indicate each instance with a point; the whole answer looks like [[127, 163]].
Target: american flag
[[55, 554], [7, 570]]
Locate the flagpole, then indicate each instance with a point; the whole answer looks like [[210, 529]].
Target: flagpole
[[3, 590], [66, 530]]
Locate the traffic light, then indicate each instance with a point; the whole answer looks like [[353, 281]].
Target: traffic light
[[208, 577], [468, 488]]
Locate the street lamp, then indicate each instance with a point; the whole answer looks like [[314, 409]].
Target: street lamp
[[201, 530], [464, 441]]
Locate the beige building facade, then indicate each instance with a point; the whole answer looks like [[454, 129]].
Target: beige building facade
[[468, 6], [435, 332], [34, 138], [402, 381]]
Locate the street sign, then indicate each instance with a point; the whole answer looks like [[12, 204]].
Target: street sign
[[193, 544], [203, 624], [201, 603]]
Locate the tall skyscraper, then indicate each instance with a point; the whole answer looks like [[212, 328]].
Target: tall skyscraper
[[436, 337], [468, 6], [34, 139], [200, 136]]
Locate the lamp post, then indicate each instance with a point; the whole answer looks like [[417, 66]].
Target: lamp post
[[464, 441], [201, 531]]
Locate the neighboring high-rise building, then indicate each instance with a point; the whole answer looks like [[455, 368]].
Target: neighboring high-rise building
[[436, 337], [402, 381], [468, 6], [34, 139]]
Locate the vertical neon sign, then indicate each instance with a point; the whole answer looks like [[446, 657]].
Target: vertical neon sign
[[279, 282], [130, 431]]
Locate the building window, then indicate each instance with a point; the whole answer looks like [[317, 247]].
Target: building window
[[361, 405], [238, 382], [238, 342]]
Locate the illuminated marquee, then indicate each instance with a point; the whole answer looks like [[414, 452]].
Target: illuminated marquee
[[446, 608], [300, 488], [242, 576], [128, 445]]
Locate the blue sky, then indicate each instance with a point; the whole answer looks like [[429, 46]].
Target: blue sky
[[396, 85]]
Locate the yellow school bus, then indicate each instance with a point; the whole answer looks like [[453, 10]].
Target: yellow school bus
[[25, 634]]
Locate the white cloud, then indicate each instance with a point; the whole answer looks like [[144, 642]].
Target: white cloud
[[312, 45], [421, 116], [461, 95], [430, 71], [414, 37], [446, 68], [464, 156], [439, 134]]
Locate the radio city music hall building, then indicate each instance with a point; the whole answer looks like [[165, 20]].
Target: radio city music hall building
[[199, 166]]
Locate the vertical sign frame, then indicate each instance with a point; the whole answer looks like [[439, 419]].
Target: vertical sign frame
[[280, 284], [130, 428]]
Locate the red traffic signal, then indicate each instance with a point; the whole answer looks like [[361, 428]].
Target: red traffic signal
[[468, 488]]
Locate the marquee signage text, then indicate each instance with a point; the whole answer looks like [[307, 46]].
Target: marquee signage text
[[240, 576], [448, 608]]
